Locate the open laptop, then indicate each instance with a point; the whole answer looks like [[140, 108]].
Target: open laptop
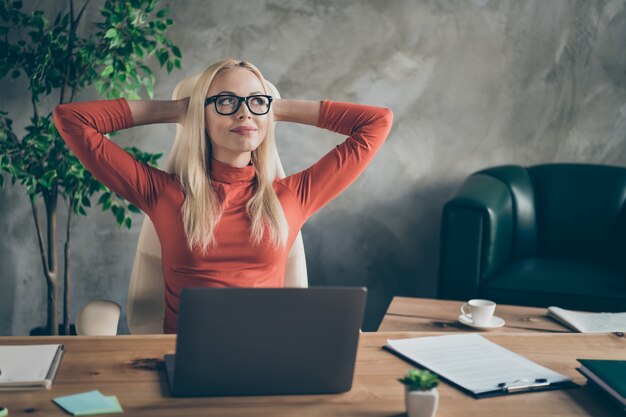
[[243, 341]]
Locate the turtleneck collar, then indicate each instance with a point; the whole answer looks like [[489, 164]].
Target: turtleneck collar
[[229, 174]]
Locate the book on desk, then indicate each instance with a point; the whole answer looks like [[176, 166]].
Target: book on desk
[[608, 376]]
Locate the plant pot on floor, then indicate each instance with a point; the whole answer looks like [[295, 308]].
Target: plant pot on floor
[[421, 403], [43, 331]]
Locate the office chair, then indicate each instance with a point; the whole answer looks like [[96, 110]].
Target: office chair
[[146, 303], [551, 234]]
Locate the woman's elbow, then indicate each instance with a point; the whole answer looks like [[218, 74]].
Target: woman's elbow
[[59, 113], [387, 116]]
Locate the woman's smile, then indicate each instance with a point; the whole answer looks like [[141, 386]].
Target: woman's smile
[[244, 130]]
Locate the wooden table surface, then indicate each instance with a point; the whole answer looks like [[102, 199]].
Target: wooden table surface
[[130, 367], [428, 315]]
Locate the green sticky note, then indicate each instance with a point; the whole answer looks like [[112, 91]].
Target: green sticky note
[[89, 403]]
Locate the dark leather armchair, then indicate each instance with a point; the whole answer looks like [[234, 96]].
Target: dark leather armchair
[[551, 234]]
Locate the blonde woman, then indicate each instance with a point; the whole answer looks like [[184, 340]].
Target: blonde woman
[[222, 218]]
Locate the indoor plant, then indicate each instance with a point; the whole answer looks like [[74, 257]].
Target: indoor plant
[[421, 395], [58, 57]]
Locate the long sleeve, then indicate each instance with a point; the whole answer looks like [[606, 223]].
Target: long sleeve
[[83, 126], [367, 127]]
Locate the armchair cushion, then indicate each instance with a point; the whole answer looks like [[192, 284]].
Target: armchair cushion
[[567, 283]]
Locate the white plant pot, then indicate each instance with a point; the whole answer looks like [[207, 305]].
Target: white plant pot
[[421, 403]]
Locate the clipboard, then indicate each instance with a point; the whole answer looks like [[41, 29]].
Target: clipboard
[[533, 378]]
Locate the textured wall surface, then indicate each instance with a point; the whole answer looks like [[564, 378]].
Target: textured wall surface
[[471, 83]]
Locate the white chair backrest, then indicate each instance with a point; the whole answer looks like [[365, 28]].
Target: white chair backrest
[[146, 299]]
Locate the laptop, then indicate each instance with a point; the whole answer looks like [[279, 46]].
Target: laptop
[[266, 341]]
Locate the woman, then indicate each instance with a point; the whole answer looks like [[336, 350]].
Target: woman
[[222, 218]]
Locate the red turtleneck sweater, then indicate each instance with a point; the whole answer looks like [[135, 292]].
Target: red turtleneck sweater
[[236, 262]]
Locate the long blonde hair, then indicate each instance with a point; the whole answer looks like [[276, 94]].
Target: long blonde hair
[[202, 208]]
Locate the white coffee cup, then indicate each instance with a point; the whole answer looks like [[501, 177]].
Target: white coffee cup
[[480, 311]]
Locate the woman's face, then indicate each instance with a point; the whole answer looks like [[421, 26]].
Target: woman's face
[[229, 145]]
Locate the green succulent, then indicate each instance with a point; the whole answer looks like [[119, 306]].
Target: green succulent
[[419, 380]]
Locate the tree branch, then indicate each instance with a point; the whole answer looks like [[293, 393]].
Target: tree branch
[[80, 13], [42, 250], [70, 46], [66, 272], [35, 112]]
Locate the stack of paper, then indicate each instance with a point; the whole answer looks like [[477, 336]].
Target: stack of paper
[[89, 403], [589, 322]]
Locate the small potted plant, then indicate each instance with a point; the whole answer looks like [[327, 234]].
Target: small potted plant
[[421, 395]]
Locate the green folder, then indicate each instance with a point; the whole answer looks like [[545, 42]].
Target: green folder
[[607, 375], [89, 403]]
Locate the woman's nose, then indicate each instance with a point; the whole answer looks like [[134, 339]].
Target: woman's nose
[[244, 112]]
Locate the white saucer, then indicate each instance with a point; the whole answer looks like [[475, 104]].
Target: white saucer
[[495, 322]]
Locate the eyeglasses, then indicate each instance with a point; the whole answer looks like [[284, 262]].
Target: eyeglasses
[[227, 104]]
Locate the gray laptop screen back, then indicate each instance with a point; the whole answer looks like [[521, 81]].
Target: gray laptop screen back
[[234, 341]]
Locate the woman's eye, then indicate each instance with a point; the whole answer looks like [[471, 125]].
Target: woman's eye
[[226, 101], [258, 101]]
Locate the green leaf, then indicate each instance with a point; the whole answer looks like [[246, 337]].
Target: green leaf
[[120, 216], [150, 90], [104, 197], [108, 70], [111, 34], [163, 12], [133, 208], [162, 56], [128, 222], [176, 52]]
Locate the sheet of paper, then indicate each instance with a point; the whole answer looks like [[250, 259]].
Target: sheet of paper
[[472, 361]]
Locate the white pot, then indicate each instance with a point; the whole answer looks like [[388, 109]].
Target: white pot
[[421, 403]]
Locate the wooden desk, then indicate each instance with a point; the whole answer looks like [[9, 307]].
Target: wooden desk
[[432, 315], [116, 366]]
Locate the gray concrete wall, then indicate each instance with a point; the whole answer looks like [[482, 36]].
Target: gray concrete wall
[[471, 83]]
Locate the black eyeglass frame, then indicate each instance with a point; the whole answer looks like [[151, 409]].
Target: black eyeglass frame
[[213, 99]]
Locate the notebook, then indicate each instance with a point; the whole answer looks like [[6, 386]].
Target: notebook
[[26, 367], [477, 366], [607, 375], [243, 341], [586, 322]]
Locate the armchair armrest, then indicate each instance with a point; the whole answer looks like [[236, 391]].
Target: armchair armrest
[[476, 236]]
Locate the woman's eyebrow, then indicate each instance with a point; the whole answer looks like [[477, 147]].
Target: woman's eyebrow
[[233, 93]]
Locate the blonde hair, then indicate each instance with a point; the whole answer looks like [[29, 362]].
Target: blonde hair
[[202, 208]]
